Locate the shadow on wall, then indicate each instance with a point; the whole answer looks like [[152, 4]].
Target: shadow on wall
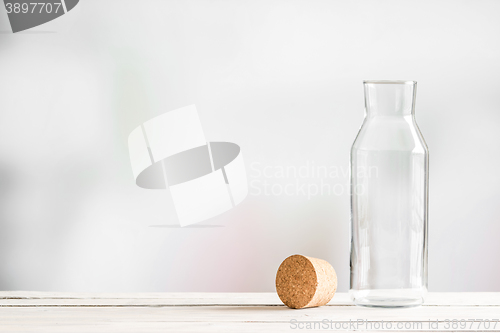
[[51, 149], [37, 206]]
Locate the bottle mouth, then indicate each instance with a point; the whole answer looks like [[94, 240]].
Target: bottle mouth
[[388, 82]]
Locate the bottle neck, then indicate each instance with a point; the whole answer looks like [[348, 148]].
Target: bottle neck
[[390, 98]]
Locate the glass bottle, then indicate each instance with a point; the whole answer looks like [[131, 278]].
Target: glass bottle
[[389, 191]]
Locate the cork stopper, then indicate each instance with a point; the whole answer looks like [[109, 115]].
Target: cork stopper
[[304, 282]]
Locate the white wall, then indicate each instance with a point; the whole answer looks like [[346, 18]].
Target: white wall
[[283, 79]]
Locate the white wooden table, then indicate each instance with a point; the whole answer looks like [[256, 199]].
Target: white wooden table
[[236, 312]]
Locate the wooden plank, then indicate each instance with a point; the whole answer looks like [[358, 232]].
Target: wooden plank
[[218, 318], [226, 312], [243, 313], [158, 327], [158, 299]]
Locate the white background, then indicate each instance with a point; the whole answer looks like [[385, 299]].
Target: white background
[[282, 79]]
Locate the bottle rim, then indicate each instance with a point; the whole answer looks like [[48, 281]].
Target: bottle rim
[[388, 82]]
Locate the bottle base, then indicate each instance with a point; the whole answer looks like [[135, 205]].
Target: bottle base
[[385, 299], [375, 302]]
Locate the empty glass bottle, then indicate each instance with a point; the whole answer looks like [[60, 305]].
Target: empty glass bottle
[[389, 191]]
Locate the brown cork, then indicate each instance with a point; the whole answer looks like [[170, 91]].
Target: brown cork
[[304, 282]]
